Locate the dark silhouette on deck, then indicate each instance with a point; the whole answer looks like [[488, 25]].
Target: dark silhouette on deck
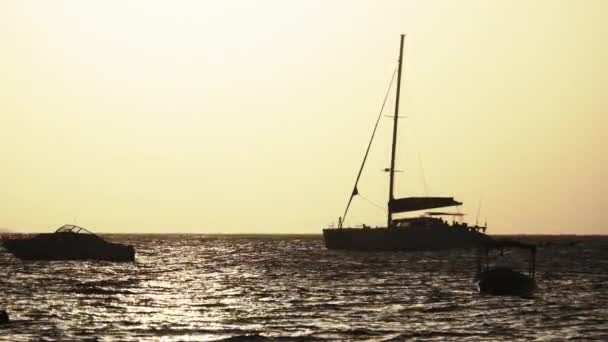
[[4, 317]]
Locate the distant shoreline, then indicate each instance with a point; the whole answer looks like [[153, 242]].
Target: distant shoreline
[[560, 236]]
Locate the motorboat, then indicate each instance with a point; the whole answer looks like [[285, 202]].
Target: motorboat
[[68, 242], [504, 280]]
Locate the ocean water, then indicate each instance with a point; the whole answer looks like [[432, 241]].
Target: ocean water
[[290, 288]]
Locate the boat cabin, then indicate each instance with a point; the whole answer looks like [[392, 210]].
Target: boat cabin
[[437, 219]]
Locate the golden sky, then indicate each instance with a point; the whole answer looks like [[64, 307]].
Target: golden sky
[[253, 116]]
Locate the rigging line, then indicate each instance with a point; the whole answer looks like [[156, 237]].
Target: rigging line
[[383, 209], [414, 132], [424, 183], [355, 191]]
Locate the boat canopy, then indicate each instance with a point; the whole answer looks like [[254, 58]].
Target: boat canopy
[[70, 228], [401, 205]]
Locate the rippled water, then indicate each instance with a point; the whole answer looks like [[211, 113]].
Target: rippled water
[[194, 287]]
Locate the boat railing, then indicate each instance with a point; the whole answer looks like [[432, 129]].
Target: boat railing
[[466, 226], [70, 228]]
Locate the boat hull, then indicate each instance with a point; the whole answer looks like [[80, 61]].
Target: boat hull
[[506, 282], [423, 238], [68, 246]]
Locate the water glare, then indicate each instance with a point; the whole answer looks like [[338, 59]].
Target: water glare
[[189, 287]]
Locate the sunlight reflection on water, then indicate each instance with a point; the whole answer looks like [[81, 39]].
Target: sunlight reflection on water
[[208, 288]]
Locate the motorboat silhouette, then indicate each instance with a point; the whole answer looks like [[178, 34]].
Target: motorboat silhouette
[[503, 280], [69, 242]]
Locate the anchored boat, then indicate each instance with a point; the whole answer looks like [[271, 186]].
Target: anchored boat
[[502, 280], [424, 233], [69, 242]]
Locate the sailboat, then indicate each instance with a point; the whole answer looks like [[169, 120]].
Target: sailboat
[[426, 232]]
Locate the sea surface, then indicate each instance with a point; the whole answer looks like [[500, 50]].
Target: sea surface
[[290, 288]]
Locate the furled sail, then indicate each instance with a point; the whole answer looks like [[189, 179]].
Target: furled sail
[[401, 205]]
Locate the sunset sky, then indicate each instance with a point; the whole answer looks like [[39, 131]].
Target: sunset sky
[[253, 116]]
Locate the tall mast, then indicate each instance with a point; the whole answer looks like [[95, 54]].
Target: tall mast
[[394, 147]]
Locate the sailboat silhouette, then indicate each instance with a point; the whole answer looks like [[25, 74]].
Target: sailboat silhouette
[[427, 232]]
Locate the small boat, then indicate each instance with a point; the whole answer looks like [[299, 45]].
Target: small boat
[[502, 280], [69, 242], [427, 232]]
